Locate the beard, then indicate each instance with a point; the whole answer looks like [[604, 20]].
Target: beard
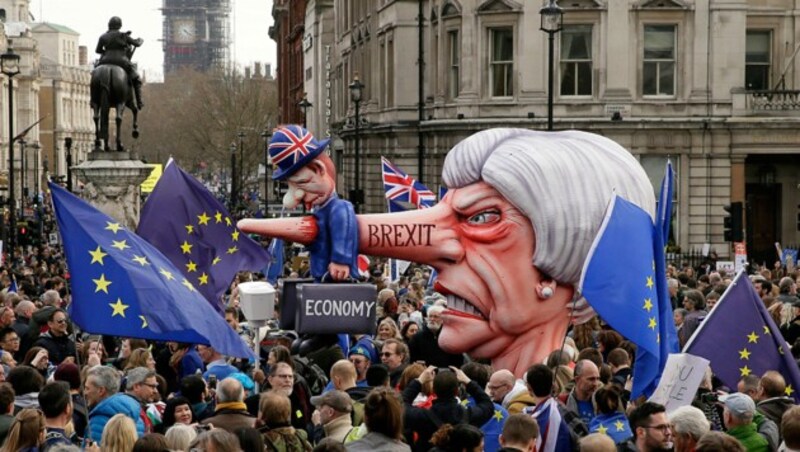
[[284, 391], [435, 327]]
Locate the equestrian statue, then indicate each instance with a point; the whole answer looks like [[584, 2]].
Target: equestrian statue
[[115, 83]]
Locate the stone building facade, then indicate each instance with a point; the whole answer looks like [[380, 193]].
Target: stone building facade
[[713, 85]]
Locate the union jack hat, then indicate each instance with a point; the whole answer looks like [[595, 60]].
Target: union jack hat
[[291, 148]]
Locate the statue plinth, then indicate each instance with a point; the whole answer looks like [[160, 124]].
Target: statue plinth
[[112, 181]]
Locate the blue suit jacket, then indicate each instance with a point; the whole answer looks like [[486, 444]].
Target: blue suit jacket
[[337, 239]]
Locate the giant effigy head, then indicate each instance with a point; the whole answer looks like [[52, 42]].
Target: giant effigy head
[[510, 238]]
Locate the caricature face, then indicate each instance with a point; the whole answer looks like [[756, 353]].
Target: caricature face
[[310, 186]]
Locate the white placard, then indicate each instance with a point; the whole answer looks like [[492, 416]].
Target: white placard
[[680, 380], [728, 266]]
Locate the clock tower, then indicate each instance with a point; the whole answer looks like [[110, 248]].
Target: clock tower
[[196, 34]]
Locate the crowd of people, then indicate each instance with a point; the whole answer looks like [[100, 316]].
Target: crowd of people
[[63, 389]]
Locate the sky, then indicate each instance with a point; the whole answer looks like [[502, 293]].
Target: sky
[[251, 20]]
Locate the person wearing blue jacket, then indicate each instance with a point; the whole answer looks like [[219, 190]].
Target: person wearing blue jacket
[[102, 384]]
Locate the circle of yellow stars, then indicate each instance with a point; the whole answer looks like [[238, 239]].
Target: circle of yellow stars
[[744, 356], [102, 284], [204, 219]]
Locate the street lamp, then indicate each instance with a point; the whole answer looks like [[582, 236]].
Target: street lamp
[[356, 91], [240, 185], [22, 175], [304, 104], [266, 135], [233, 178], [9, 66], [68, 145], [552, 23]]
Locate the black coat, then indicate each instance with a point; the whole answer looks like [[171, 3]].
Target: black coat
[[424, 346], [425, 422]]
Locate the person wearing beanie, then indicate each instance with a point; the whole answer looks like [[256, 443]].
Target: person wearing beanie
[[70, 374]]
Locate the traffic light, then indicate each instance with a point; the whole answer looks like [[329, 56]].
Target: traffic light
[[23, 233], [734, 222]]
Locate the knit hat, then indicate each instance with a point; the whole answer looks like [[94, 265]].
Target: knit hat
[[69, 373]]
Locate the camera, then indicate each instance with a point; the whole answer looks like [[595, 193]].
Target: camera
[[212, 381], [709, 397], [443, 369]]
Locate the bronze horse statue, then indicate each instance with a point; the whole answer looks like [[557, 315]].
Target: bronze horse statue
[[110, 87]]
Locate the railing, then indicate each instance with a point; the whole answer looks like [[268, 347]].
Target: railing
[[768, 100], [693, 258]]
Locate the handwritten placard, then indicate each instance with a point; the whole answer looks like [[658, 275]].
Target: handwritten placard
[[682, 376]]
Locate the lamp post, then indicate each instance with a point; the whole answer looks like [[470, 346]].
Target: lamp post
[[68, 145], [36, 149], [22, 175], [266, 135], [233, 178], [304, 104], [356, 91], [552, 23], [240, 185], [9, 66]]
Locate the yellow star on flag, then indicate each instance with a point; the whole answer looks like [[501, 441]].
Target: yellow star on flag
[[186, 247], [218, 217], [191, 267], [166, 274], [141, 260], [745, 371], [113, 227], [752, 338], [232, 250], [144, 321], [788, 391], [652, 324], [203, 219], [228, 221], [602, 429], [744, 354], [119, 308], [188, 285], [235, 236], [120, 245], [497, 415], [648, 304], [203, 279], [216, 260], [464, 403], [650, 282], [97, 255], [766, 329], [620, 426], [189, 228], [101, 284]]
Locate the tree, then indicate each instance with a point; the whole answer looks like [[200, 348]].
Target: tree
[[194, 117]]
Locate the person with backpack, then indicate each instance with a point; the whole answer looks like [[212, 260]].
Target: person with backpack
[[446, 409]]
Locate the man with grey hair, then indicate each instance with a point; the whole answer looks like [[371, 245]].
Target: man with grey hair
[[688, 425], [100, 390], [24, 311], [231, 412], [141, 384], [424, 346]]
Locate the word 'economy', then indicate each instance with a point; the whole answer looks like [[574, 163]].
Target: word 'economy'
[[329, 308]]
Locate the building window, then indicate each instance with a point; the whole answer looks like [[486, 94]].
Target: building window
[[576, 60], [454, 56], [658, 75], [502, 62], [757, 60]]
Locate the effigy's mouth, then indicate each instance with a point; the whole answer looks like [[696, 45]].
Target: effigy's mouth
[[460, 307]]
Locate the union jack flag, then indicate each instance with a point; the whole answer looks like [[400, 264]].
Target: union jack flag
[[293, 143], [403, 192]]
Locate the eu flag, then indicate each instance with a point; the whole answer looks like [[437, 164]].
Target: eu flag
[[185, 222], [739, 338], [121, 285], [274, 269], [620, 281]]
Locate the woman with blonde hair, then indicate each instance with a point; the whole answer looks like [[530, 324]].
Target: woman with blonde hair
[[141, 357], [119, 435], [388, 329], [26, 433], [179, 436]]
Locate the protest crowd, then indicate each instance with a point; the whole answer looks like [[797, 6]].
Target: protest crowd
[[64, 389]]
